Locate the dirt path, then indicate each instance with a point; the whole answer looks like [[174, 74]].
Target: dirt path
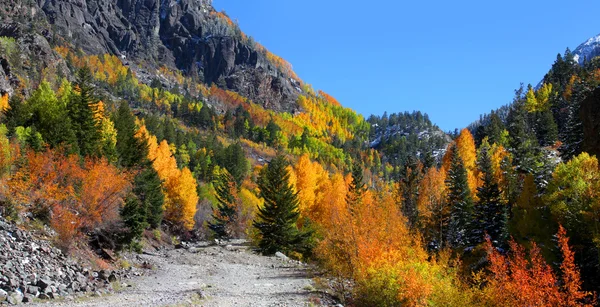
[[213, 276]]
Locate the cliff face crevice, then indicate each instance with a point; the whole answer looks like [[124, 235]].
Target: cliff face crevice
[[186, 34]]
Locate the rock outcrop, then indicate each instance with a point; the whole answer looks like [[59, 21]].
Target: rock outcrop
[[185, 34]]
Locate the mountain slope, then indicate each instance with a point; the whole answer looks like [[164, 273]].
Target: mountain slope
[[188, 35]]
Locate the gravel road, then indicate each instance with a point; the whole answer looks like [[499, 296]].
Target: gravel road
[[212, 276]]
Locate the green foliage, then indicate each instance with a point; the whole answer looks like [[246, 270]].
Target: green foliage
[[147, 188], [134, 217], [356, 188], [49, 117], [405, 142], [82, 108], [491, 213], [234, 160], [225, 214], [276, 221], [459, 198], [130, 150]]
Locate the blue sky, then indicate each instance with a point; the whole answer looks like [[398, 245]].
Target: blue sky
[[451, 59]]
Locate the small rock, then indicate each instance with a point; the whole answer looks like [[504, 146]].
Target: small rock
[[33, 290], [28, 298], [202, 295], [43, 283], [281, 256], [15, 298], [3, 295]]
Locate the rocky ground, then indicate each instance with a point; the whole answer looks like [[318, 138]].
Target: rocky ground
[[212, 275], [32, 269]]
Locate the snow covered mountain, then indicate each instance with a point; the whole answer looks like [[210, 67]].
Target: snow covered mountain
[[587, 50]]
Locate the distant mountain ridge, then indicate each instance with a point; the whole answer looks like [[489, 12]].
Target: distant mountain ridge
[[587, 50]]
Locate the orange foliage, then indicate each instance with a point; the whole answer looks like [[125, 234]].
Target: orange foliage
[[3, 102], [222, 16], [431, 203], [516, 281], [572, 293], [520, 280], [102, 192], [329, 98], [77, 197]]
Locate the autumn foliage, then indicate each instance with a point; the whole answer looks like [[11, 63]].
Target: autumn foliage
[[521, 279], [76, 197], [179, 186]]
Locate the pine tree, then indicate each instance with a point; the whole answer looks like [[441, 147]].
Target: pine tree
[[225, 215], [491, 214], [147, 188], [276, 220], [131, 150], [459, 198], [81, 111]]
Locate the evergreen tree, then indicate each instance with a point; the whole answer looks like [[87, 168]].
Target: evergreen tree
[[81, 111], [546, 128], [356, 188], [491, 214], [523, 144], [276, 220], [16, 114], [206, 118], [147, 188], [134, 217], [409, 189], [494, 129], [573, 136], [131, 150], [234, 160], [273, 129], [225, 215], [459, 198]]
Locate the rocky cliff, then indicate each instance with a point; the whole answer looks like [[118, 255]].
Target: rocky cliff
[[188, 35]]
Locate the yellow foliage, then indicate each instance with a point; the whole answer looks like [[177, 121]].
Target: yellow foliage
[[465, 145], [179, 186]]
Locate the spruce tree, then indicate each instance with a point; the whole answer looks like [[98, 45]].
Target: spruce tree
[[459, 198], [134, 217], [81, 112], [131, 150], [546, 129], [276, 220], [491, 213], [573, 136], [409, 188], [225, 215], [148, 189], [523, 144], [356, 188]]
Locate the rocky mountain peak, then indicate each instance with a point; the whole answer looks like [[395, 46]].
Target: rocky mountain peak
[[587, 50], [188, 35]]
